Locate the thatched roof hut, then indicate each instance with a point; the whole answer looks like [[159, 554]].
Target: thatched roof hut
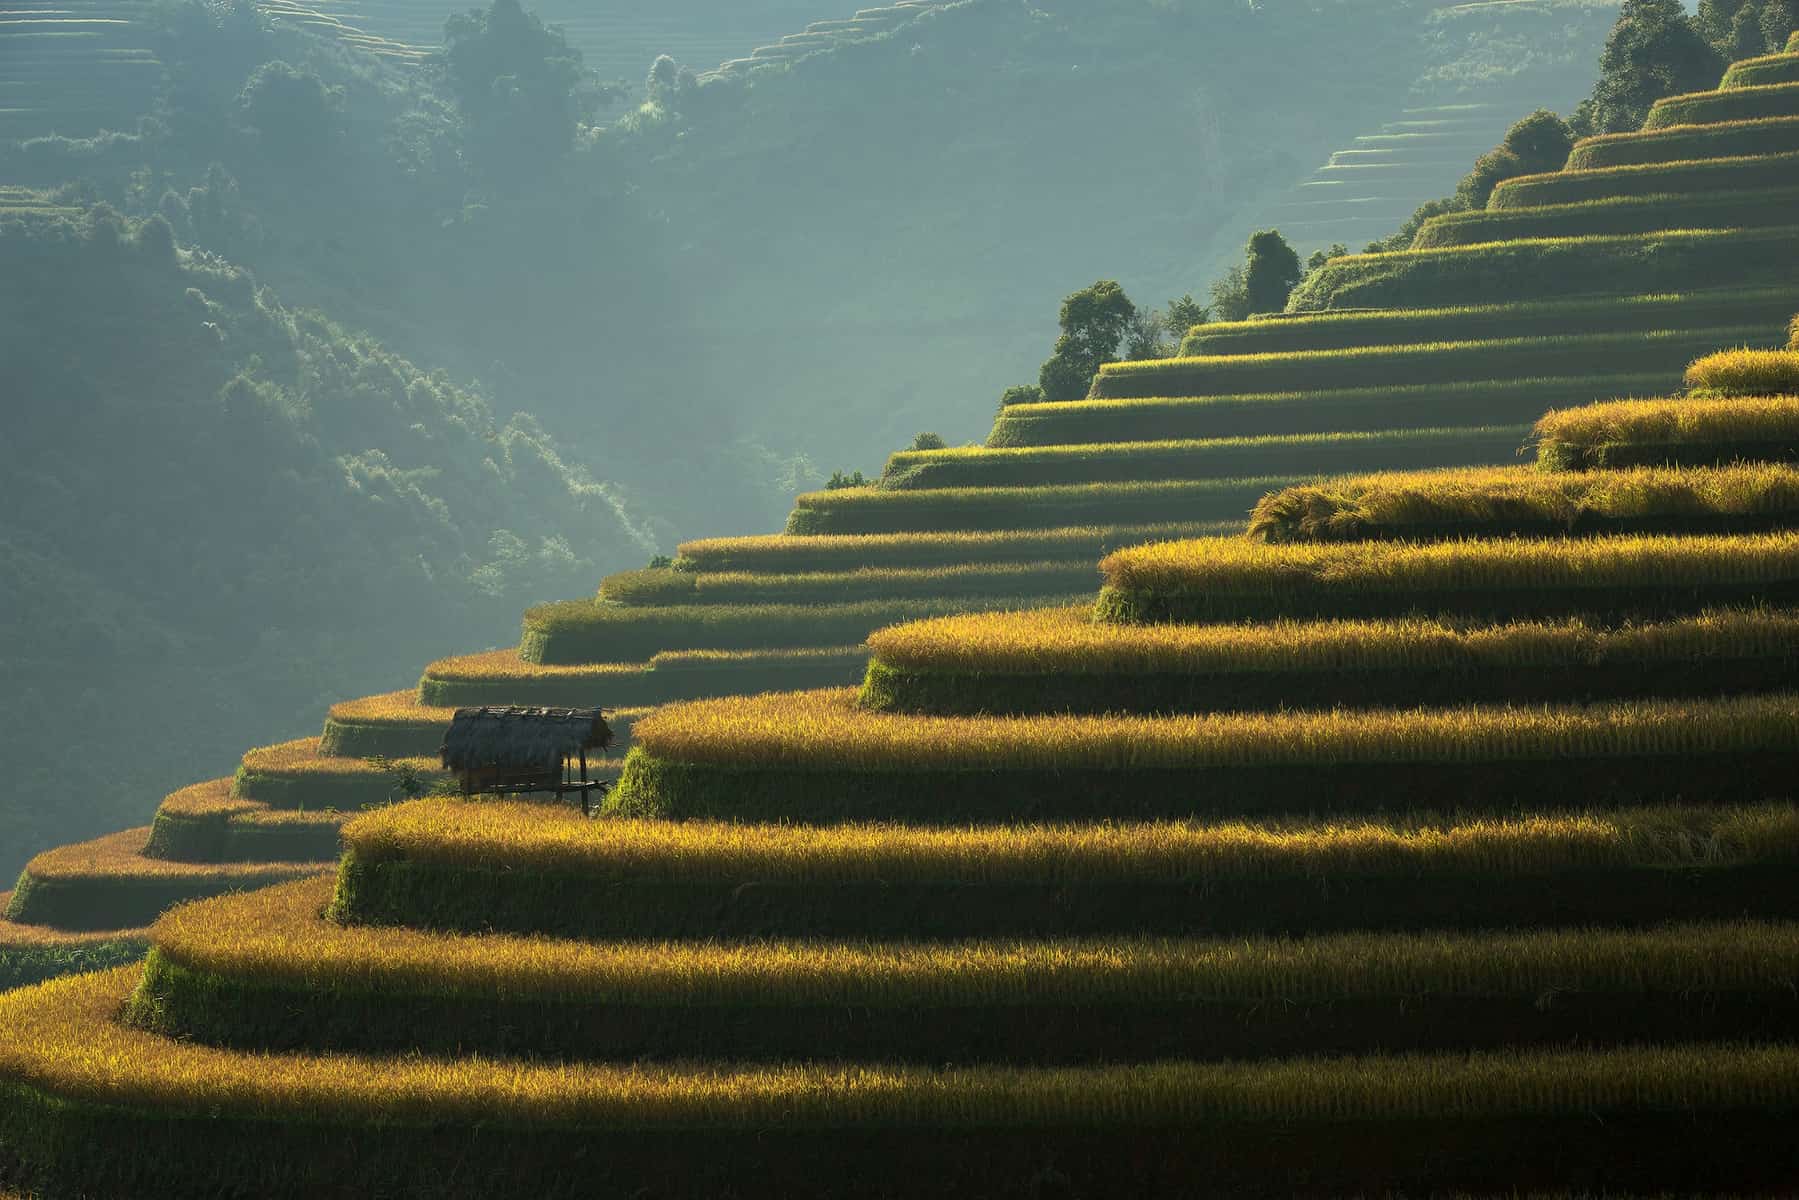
[[517, 738]]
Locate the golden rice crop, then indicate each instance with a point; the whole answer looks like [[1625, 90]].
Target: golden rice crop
[[786, 552], [665, 587], [1341, 508], [390, 708], [15, 936], [825, 730], [1236, 566], [1659, 422], [301, 758], [1074, 494], [276, 936], [121, 856], [1746, 373], [213, 798], [496, 666], [682, 660], [519, 837], [63, 1041], [1069, 641]]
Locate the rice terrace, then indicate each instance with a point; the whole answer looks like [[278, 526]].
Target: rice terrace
[[1332, 733]]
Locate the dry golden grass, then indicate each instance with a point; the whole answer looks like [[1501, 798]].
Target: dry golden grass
[[826, 730], [519, 837], [210, 799], [391, 708], [1239, 567], [786, 553], [500, 665], [119, 856], [301, 758], [16, 936], [1339, 508], [648, 588], [1657, 422], [1069, 641], [278, 936], [1746, 373], [63, 1041]]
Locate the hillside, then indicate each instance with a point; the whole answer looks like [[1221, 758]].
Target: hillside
[[801, 259], [1472, 749], [322, 510]]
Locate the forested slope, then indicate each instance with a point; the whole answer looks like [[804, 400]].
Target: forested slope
[[214, 510]]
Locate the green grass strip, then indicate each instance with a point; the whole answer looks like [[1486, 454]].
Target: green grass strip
[[1322, 453], [1593, 315], [1746, 172], [782, 553], [658, 587], [578, 631], [873, 510], [1735, 104], [1687, 143], [1497, 401], [1629, 214], [1532, 268], [1445, 362], [1761, 72]]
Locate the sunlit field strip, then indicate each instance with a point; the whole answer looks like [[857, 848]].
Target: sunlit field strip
[[817, 756], [1686, 431], [579, 631], [265, 970], [876, 511], [625, 690], [1747, 372], [1759, 72], [395, 725], [1628, 214], [207, 823], [1607, 577], [782, 553], [1602, 314], [1735, 104], [110, 882], [934, 1125], [1196, 459], [657, 587], [33, 953], [1059, 660], [1355, 409], [1529, 268], [1747, 171], [1499, 501], [1687, 143], [295, 775], [1372, 365]]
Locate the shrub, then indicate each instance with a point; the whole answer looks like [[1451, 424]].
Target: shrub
[[928, 441]]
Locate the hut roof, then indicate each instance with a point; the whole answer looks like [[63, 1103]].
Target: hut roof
[[522, 737]]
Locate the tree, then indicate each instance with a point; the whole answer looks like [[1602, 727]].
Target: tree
[[516, 83], [1779, 19], [1653, 51], [1094, 321], [1535, 145], [294, 115], [1270, 272]]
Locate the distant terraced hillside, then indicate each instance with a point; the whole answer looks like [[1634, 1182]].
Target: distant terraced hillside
[[73, 67]]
